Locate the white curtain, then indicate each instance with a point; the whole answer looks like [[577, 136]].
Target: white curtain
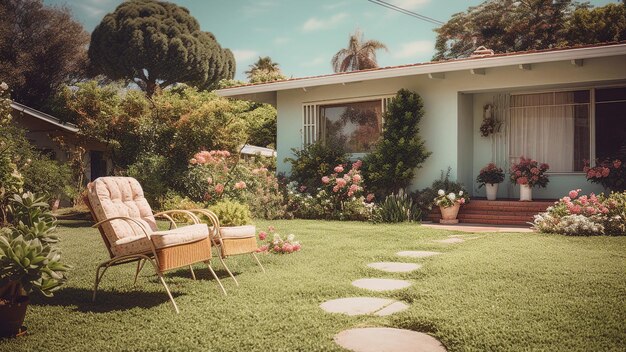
[[542, 128]]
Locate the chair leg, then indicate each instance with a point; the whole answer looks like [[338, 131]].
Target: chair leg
[[167, 289], [140, 265], [193, 275], [208, 263], [257, 261], [228, 270], [98, 278]]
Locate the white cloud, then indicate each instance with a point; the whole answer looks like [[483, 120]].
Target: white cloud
[[414, 49], [242, 55], [314, 24], [257, 8], [409, 4]]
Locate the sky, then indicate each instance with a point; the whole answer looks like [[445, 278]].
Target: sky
[[303, 35]]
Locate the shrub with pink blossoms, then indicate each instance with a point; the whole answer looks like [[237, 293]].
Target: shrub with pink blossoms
[[610, 173], [529, 172], [274, 243]]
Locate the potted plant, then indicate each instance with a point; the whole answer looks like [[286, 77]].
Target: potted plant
[[527, 174], [490, 176], [29, 261], [610, 173], [449, 204]]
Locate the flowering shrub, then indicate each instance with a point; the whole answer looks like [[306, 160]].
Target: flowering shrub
[[450, 199], [585, 215], [490, 174], [529, 172], [274, 243], [611, 174], [215, 175]]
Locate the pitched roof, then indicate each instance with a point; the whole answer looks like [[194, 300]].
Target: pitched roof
[[496, 60], [44, 117]]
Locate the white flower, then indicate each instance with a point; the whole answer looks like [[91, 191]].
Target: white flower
[[4, 86], [460, 193], [451, 196], [441, 192], [291, 237]]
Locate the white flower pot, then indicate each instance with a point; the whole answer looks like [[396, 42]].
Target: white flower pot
[[525, 193], [492, 190]]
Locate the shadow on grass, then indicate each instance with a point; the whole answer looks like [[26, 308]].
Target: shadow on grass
[[106, 300], [202, 274], [76, 223]]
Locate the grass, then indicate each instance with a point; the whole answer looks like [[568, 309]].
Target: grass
[[500, 292]]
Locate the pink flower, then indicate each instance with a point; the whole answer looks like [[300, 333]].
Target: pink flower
[[338, 168], [591, 210], [209, 180], [302, 188], [617, 163], [200, 159], [350, 193], [325, 179], [522, 181], [240, 185], [262, 235], [518, 173], [462, 200], [347, 177], [605, 171], [340, 182], [544, 166], [568, 199], [534, 171], [369, 197], [287, 248], [219, 188], [356, 178], [296, 247], [357, 165], [575, 209], [276, 248], [535, 178], [354, 188], [193, 161], [336, 189]]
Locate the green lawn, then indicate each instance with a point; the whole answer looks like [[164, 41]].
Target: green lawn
[[500, 292]]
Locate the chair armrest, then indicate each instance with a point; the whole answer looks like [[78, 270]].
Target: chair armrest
[[166, 214], [214, 221]]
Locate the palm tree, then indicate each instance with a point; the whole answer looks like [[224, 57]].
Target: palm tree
[[264, 70], [359, 55]]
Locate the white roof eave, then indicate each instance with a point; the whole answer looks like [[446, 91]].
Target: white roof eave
[[437, 67]]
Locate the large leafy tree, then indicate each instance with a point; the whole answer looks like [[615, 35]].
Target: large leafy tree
[[41, 48], [157, 44], [400, 150], [601, 24], [264, 70], [359, 55]]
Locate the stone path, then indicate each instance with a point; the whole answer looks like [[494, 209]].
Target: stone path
[[364, 305], [381, 284], [395, 267], [388, 340], [417, 254]]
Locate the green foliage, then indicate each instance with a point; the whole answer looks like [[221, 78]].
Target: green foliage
[[231, 213], [152, 173], [391, 166], [315, 161], [397, 207], [261, 126], [426, 197], [28, 259], [490, 174], [508, 25], [41, 48], [49, 177], [157, 44], [264, 70]]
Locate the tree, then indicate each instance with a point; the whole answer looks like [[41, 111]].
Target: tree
[[602, 24], [157, 44], [504, 26], [41, 48], [264, 70], [400, 150], [359, 55]]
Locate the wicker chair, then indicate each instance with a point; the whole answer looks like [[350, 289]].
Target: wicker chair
[[128, 229], [231, 243]]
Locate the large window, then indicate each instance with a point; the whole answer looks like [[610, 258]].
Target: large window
[[355, 125], [552, 127], [610, 126]]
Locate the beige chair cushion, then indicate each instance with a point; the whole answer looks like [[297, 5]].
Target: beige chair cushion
[[161, 239], [245, 231], [120, 196]]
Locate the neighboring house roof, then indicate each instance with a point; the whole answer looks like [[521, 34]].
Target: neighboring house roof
[[254, 150], [435, 67], [44, 117]]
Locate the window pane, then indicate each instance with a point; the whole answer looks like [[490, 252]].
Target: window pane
[[611, 130], [611, 94], [355, 125]]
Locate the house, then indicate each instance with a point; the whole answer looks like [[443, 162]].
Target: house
[[44, 131], [559, 106]]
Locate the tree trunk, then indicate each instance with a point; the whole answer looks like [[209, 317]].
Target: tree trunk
[[151, 87]]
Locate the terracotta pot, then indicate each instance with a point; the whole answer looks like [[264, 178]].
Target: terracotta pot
[[525, 193], [492, 191], [12, 317], [448, 215]]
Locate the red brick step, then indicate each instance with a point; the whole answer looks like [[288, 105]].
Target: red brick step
[[498, 212]]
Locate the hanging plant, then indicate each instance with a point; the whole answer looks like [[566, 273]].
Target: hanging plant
[[490, 124]]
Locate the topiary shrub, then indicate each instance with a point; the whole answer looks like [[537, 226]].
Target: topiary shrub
[[315, 161], [391, 166], [231, 213]]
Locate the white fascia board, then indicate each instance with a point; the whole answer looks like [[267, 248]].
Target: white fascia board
[[44, 117], [437, 67]]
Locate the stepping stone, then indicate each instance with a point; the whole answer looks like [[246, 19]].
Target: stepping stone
[[363, 305], [417, 254], [387, 340], [393, 267], [381, 284], [450, 240]]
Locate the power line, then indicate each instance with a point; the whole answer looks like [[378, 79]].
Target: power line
[[406, 12]]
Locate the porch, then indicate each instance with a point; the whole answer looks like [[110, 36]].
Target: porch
[[497, 212]]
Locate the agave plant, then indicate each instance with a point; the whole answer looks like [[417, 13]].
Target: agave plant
[[397, 208]]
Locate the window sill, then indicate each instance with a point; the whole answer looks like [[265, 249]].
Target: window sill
[[564, 173]]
